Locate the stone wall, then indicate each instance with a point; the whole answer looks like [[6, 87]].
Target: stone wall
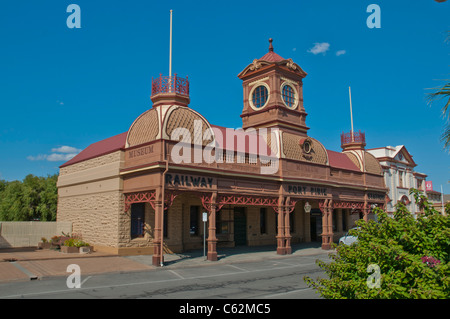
[[93, 216], [90, 197]]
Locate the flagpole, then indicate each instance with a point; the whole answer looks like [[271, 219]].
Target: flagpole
[[170, 50], [351, 112]]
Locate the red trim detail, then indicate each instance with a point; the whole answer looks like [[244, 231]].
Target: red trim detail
[[139, 197], [239, 200], [148, 197]]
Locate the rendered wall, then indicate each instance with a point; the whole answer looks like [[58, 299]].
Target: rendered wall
[[29, 234]]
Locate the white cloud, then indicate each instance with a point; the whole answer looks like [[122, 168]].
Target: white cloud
[[59, 154], [341, 52], [55, 157], [319, 48], [66, 149], [39, 157]]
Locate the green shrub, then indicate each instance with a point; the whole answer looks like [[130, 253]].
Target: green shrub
[[75, 242], [69, 242], [412, 255]]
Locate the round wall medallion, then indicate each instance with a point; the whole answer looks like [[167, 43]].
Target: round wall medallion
[[307, 146]]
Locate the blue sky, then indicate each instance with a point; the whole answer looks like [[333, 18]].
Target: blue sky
[[62, 89]]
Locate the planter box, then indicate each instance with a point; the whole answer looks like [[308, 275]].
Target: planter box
[[86, 250], [69, 250], [44, 245]]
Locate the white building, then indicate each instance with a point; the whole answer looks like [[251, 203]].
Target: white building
[[399, 175]]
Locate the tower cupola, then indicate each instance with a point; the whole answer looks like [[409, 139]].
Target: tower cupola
[[273, 94]]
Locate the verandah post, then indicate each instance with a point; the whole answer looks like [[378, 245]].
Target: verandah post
[[157, 239], [212, 239], [281, 249]]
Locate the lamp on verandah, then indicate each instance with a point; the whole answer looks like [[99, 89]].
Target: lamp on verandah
[[307, 208]]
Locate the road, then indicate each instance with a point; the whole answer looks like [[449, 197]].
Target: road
[[268, 279]]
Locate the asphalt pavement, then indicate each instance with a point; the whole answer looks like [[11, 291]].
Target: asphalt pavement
[[240, 272]]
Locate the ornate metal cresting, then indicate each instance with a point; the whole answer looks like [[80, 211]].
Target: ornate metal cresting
[[353, 137], [170, 84]]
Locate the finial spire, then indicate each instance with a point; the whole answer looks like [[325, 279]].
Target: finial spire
[[270, 45]]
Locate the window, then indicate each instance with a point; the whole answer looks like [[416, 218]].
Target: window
[[260, 96], [400, 179], [194, 221], [221, 224], [288, 94], [334, 219], [263, 220], [419, 184], [291, 222], [137, 220], [166, 224], [344, 219]]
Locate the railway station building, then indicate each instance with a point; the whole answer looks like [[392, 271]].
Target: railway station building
[[145, 191]]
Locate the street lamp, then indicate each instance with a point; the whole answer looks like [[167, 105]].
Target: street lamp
[[307, 208]]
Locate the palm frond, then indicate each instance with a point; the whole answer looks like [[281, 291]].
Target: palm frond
[[441, 93], [445, 137]]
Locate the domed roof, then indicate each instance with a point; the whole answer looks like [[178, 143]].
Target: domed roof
[[292, 146], [186, 118], [146, 128], [372, 164]]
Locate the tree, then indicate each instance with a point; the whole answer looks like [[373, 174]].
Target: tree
[[443, 93], [35, 198], [412, 255]]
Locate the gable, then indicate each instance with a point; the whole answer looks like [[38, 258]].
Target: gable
[[403, 156]]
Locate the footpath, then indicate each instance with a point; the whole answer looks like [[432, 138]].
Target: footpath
[[32, 264]]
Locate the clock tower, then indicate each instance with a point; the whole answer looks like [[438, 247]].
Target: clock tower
[[273, 94]]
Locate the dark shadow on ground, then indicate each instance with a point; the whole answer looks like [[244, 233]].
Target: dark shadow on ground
[[224, 252]]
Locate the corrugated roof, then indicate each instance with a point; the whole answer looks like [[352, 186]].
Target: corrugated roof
[[340, 160], [103, 147]]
